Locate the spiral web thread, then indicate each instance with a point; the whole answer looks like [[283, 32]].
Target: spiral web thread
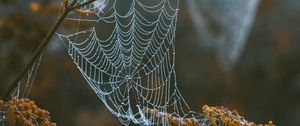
[[131, 63]]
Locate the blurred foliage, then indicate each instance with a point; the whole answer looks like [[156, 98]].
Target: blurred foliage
[[264, 85]]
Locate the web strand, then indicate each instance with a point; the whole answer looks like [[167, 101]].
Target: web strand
[[132, 67]]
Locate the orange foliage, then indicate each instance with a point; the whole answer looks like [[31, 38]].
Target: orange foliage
[[24, 112], [227, 117], [216, 116], [173, 121]]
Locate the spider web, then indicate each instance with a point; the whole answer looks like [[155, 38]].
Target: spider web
[[127, 56]]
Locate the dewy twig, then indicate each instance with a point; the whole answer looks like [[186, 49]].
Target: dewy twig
[[74, 5]]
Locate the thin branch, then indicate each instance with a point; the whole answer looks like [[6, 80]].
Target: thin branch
[[83, 4], [72, 4], [37, 52], [43, 44]]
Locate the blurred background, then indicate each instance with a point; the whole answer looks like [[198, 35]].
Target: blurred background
[[244, 55]]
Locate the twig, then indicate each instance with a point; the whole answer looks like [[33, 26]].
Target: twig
[[83, 4], [43, 44]]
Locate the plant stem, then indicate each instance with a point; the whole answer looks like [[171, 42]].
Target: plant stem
[[43, 44], [37, 52], [83, 4]]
